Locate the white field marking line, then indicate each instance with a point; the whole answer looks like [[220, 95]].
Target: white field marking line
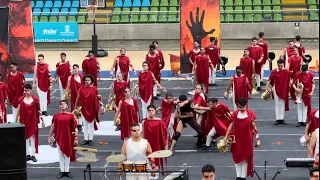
[[54, 91]]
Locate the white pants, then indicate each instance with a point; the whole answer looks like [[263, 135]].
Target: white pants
[[171, 126], [262, 72], [62, 91], [14, 113], [43, 99], [212, 75], [302, 112], [88, 129], [64, 161], [137, 176], [210, 135], [30, 144], [241, 169], [144, 107], [155, 89], [235, 107], [257, 76], [279, 105]]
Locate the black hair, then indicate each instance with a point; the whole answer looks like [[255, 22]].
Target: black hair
[[197, 41], [90, 52], [238, 67], [28, 86], [155, 42], [208, 168], [152, 46], [63, 54], [126, 89], [145, 62], [41, 55], [63, 101], [261, 34], [214, 100], [88, 76], [280, 61], [242, 102], [312, 170], [212, 39], [123, 49], [298, 38], [75, 65], [182, 97], [134, 125], [168, 95], [13, 63], [254, 38], [151, 106]]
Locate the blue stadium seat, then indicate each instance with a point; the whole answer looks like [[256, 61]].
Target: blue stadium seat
[[32, 4], [75, 4], [39, 4], [118, 3], [127, 3], [36, 12], [84, 3], [64, 12], [66, 4], [136, 3], [45, 12], [48, 4], [55, 12], [73, 11], [57, 4], [145, 3]]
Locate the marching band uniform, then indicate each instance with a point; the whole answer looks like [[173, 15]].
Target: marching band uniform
[[118, 88], [3, 99], [247, 65], [91, 66], [313, 122], [122, 64], [161, 60], [75, 81], [241, 88], [265, 47], [16, 84], [295, 62], [256, 53], [193, 53], [200, 100], [63, 71], [168, 116], [287, 53], [44, 83], [202, 66], [154, 67], [213, 51]]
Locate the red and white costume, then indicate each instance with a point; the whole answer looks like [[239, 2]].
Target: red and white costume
[[63, 71], [44, 81]]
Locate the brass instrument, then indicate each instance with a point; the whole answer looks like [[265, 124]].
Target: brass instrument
[[53, 142], [266, 96], [300, 86], [67, 96], [254, 87], [228, 95], [134, 91], [222, 147], [110, 106], [77, 112], [117, 122], [159, 110]]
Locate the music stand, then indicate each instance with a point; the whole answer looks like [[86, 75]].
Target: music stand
[[265, 172]]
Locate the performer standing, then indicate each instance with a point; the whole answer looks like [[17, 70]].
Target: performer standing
[[295, 62], [121, 64], [287, 53], [91, 65], [256, 53], [136, 149], [202, 66], [64, 128], [29, 115], [89, 99], [3, 102], [240, 85], [63, 70], [243, 126], [307, 79], [42, 75], [153, 60], [312, 124], [160, 54], [193, 53], [301, 48], [200, 100], [129, 110], [16, 84], [247, 65], [213, 51], [155, 131], [75, 81], [265, 46]]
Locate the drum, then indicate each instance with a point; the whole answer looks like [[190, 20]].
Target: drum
[[175, 63], [140, 166], [127, 166], [183, 175]]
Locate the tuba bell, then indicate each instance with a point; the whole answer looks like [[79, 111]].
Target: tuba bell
[[266, 96], [223, 147], [110, 106], [299, 95]]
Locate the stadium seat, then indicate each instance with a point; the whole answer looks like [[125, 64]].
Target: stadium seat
[[276, 9], [257, 10], [221, 3], [174, 3], [164, 3], [64, 12], [155, 3], [144, 11], [248, 10], [136, 3], [45, 12], [115, 19], [172, 18], [267, 2], [54, 12], [57, 4], [35, 18], [53, 19], [314, 17], [116, 11], [313, 8], [32, 4], [73, 12], [173, 10], [62, 19], [222, 18], [162, 18], [75, 4], [143, 18], [127, 3], [85, 2], [154, 10], [277, 17], [238, 10], [66, 4], [229, 18], [82, 12], [276, 2], [238, 2], [238, 18], [163, 10], [248, 18], [257, 18], [228, 3], [124, 18], [153, 18], [36, 12], [134, 19], [257, 2], [229, 10], [135, 10], [145, 3], [312, 2], [267, 11], [126, 11], [118, 3], [81, 19], [39, 4], [48, 4], [43, 19], [247, 2]]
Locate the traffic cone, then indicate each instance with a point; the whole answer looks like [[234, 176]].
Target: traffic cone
[[316, 68]]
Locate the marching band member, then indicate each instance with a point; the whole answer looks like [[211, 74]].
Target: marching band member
[[63, 70], [280, 80], [3, 102], [121, 64], [16, 84], [42, 75], [129, 110], [256, 53], [168, 108], [200, 100], [247, 65], [136, 149], [193, 53], [312, 124], [213, 51], [153, 60], [202, 65], [301, 48], [307, 79], [208, 172], [295, 62], [243, 126], [64, 128], [287, 53], [265, 46], [314, 173], [160, 54], [91, 65], [145, 84], [240, 85], [89, 99], [28, 114], [155, 131], [314, 147], [75, 81], [185, 115]]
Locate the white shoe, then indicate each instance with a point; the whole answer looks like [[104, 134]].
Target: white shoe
[[191, 92]]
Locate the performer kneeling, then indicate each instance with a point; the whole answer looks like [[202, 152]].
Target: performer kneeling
[[242, 125], [64, 128]]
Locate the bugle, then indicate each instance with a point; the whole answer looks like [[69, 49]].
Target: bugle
[[159, 110], [67, 96], [222, 146], [300, 86], [77, 112], [111, 104]]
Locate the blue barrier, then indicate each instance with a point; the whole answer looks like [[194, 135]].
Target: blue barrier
[[56, 31]]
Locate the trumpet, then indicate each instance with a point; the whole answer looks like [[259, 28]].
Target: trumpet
[[110, 106], [77, 112], [266, 96], [67, 96], [223, 147], [300, 86], [159, 110]]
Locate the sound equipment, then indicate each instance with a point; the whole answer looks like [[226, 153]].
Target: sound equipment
[[13, 152], [299, 162]]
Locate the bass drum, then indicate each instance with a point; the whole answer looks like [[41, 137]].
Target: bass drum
[[182, 175]]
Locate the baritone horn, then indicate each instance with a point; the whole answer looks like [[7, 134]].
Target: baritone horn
[[67, 96], [111, 105], [300, 86], [266, 96], [77, 112], [222, 146], [254, 87]]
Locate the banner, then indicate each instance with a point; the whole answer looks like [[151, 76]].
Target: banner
[[4, 38], [200, 20], [56, 31]]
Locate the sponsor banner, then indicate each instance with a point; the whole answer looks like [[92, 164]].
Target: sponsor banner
[[56, 31]]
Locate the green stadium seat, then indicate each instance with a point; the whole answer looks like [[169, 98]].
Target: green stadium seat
[[174, 3], [222, 18], [310, 2], [143, 18], [154, 10], [314, 17], [229, 3], [71, 19], [155, 3], [257, 18], [117, 11], [172, 18], [247, 2], [162, 18], [238, 10], [266, 2], [153, 18], [62, 19], [267, 11], [229, 18], [35, 18], [164, 10], [238, 3], [229, 10], [144, 11], [238, 18], [164, 3], [43, 19], [257, 2], [82, 12], [115, 19], [221, 9], [248, 18], [221, 2], [247, 10], [313, 9], [277, 18], [82, 19], [135, 10], [257, 10], [276, 9], [276, 2], [134, 18], [173, 10], [126, 11], [124, 18], [53, 19]]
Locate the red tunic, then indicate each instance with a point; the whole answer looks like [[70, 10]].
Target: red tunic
[[63, 129], [213, 52], [192, 55], [201, 101], [15, 88], [247, 68], [301, 49], [90, 66], [118, 88], [255, 53], [29, 116], [3, 97], [281, 80], [265, 46], [313, 120], [241, 87], [219, 119], [289, 53], [155, 132], [202, 70], [167, 110], [154, 65], [43, 77], [242, 149], [74, 88], [162, 62], [89, 102], [124, 66], [128, 116], [63, 73], [295, 64], [146, 86]]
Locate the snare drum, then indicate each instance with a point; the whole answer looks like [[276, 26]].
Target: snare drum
[[127, 166], [141, 166]]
